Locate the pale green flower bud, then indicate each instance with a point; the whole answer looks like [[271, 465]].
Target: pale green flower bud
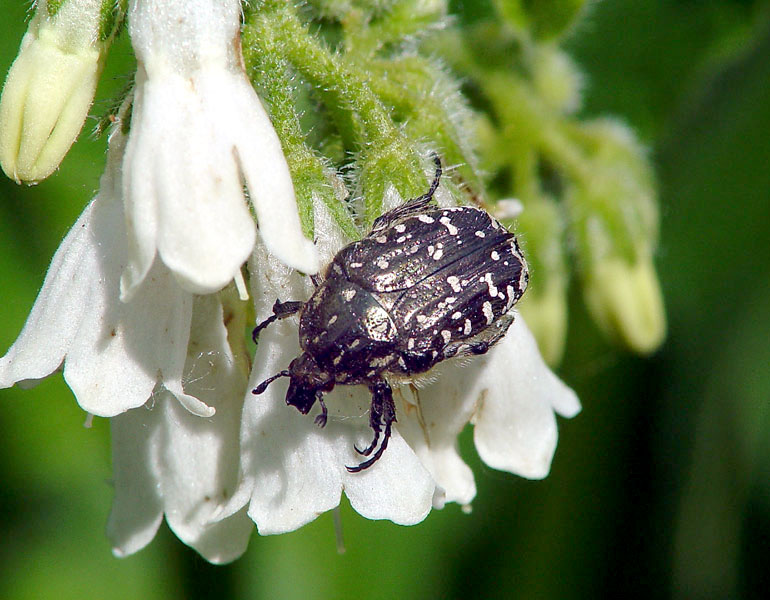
[[626, 302], [51, 84], [615, 226]]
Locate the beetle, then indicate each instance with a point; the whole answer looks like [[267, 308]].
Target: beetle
[[424, 285]]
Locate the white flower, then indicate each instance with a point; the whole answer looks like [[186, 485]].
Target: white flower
[[292, 470], [114, 353], [197, 128], [169, 461], [50, 88]]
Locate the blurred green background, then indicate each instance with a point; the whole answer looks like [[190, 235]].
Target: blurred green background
[[659, 488]]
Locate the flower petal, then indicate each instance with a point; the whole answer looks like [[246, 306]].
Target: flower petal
[[269, 182], [296, 470], [137, 509], [182, 184], [58, 309], [200, 456], [192, 463], [515, 428], [431, 419]]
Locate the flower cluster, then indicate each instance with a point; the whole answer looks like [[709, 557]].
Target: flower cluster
[[202, 221]]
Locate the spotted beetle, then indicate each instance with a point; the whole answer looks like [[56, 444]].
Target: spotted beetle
[[426, 284]]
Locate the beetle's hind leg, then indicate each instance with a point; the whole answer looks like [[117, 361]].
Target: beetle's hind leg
[[281, 310], [383, 412]]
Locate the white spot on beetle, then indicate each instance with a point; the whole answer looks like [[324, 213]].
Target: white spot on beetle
[[480, 234], [401, 239], [401, 228], [356, 265], [431, 250], [383, 264], [439, 253], [494, 255], [454, 282], [381, 239], [421, 318], [468, 327], [491, 285], [410, 343], [447, 222], [446, 335], [355, 343], [486, 308], [456, 315], [426, 219], [348, 294], [451, 300], [332, 321]]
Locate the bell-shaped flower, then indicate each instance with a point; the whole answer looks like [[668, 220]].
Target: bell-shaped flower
[[197, 130], [114, 354], [170, 462]]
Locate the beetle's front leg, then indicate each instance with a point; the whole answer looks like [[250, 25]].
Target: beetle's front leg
[[281, 310], [383, 411]]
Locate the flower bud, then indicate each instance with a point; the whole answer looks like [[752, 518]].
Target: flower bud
[[626, 302], [614, 220], [51, 85]]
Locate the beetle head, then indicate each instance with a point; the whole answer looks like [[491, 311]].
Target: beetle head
[[308, 382]]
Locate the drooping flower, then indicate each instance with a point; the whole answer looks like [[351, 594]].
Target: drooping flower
[[114, 354], [197, 129], [168, 461]]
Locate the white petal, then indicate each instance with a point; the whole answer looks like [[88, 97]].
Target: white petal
[[182, 185], [170, 461], [397, 487], [197, 126], [114, 361], [515, 428], [58, 310], [290, 476], [431, 419], [199, 457], [270, 185], [296, 470], [137, 190], [137, 509]]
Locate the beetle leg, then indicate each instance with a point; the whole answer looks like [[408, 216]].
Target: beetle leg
[[384, 410], [321, 419], [281, 310], [375, 420]]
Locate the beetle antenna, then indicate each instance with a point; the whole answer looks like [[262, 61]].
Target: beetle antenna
[[436, 177], [434, 184], [263, 386]]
